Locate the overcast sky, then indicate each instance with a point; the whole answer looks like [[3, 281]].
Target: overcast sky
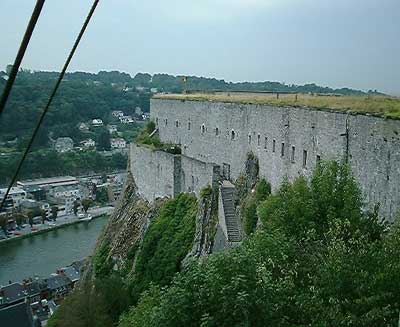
[[338, 43]]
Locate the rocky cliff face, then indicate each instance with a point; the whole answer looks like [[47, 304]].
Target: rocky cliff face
[[132, 217], [206, 224], [128, 224]]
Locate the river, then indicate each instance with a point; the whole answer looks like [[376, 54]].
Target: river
[[42, 254]]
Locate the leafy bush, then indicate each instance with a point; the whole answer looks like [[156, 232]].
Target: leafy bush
[[263, 190], [249, 213], [101, 261], [249, 205]]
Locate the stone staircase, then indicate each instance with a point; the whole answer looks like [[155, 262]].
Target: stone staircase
[[231, 220]]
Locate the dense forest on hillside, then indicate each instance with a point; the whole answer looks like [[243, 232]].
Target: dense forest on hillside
[[316, 258]]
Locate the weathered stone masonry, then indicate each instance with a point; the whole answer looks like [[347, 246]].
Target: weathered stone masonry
[[287, 141]]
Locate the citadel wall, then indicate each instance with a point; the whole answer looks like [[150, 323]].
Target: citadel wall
[[161, 174], [287, 141]]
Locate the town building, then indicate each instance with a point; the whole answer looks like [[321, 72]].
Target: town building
[[59, 286], [12, 294], [57, 190], [88, 143], [118, 143], [18, 315], [83, 127], [97, 122], [64, 144], [126, 120], [15, 196], [117, 113], [71, 273], [146, 116]]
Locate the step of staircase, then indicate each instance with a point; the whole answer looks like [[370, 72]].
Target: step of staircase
[[231, 220]]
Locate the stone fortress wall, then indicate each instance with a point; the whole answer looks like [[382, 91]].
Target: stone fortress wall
[[287, 141], [160, 174]]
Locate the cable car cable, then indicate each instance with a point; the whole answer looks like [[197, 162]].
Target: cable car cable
[[71, 54], [21, 52]]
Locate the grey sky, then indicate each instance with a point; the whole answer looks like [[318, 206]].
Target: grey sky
[[354, 43]]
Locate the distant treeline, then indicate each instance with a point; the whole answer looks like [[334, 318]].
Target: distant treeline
[[84, 96]]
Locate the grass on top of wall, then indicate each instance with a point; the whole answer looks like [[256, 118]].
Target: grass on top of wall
[[147, 138], [384, 106]]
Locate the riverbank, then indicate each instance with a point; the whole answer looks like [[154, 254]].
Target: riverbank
[[61, 222]]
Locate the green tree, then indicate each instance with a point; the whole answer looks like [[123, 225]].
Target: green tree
[[86, 203], [3, 223], [262, 190], [19, 218], [76, 207], [102, 195], [54, 212], [43, 215], [31, 213], [249, 213], [103, 141]]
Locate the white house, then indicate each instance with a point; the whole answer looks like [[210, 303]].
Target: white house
[[126, 120], [97, 122], [118, 143], [88, 143], [117, 113]]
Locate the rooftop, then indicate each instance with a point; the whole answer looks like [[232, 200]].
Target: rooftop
[[385, 106], [63, 180], [18, 315]]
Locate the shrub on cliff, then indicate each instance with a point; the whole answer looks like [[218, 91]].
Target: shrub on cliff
[[145, 138], [250, 203], [293, 272], [167, 241]]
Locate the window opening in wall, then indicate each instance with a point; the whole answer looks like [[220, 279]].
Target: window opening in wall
[[249, 139], [305, 158], [216, 131], [203, 129], [265, 142], [189, 126], [318, 158], [232, 135], [258, 139], [177, 123], [283, 150], [166, 121], [293, 153], [273, 145]]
